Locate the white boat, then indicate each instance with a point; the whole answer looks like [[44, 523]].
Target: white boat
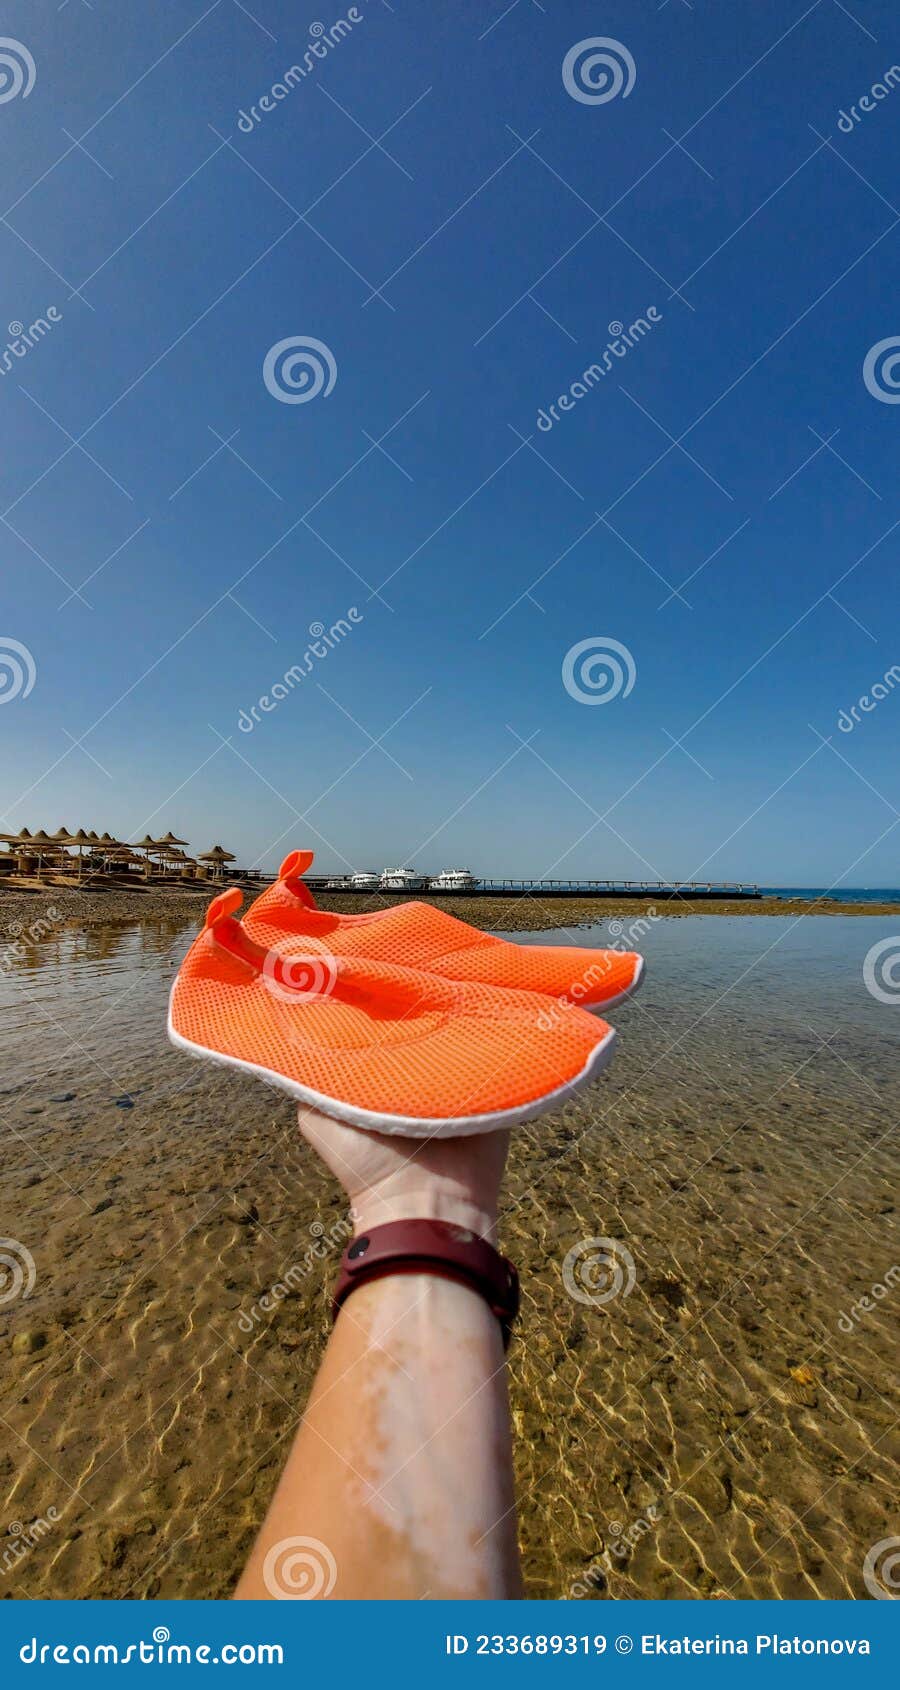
[[402, 880], [453, 880], [364, 882]]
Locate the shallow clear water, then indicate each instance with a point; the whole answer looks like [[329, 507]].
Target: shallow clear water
[[789, 979], [742, 1150]]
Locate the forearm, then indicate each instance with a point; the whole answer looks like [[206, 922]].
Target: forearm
[[403, 1464]]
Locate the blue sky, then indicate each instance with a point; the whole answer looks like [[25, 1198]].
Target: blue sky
[[436, 156]]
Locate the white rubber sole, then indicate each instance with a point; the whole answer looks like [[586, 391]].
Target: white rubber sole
[[408, 1126], [637, 981]]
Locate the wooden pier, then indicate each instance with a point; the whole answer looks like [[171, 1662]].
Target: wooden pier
[[664, 890]]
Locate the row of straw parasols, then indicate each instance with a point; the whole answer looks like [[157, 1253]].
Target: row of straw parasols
[[116, 853]]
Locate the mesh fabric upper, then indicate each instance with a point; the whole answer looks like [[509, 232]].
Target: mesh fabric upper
[[384, 1038]]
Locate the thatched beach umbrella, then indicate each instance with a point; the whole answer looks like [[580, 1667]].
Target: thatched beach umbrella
[[165, 846], [62, 837], [43, 845], [108, 848], [22, 840], [79, 840], [147, 845], [217, 857]]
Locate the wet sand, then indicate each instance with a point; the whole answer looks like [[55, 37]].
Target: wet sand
[[715, 1431]]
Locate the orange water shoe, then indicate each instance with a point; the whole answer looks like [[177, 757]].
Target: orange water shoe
[[381, 1046]]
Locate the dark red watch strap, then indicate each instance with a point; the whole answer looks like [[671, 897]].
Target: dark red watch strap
[[431, 1246]]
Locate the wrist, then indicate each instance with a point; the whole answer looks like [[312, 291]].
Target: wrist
[[428, 1202], [426, 1247]]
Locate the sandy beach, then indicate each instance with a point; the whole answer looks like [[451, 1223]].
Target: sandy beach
[[715, 1431]]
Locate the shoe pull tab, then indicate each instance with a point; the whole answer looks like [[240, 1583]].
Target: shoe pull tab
[[295, 864], [227, 932]]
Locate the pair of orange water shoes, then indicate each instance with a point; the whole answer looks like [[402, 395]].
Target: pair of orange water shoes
[[403, 1021]]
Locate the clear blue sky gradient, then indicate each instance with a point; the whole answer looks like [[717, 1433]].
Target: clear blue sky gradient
[[478, 216]]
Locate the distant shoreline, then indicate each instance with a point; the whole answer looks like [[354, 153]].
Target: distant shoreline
[[37, 911]]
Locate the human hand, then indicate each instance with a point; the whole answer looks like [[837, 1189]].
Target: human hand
[[388, 1178]]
